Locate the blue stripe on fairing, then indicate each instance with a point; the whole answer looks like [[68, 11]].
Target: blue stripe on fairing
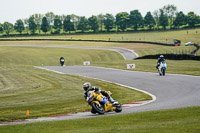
[[90, 98], [104, 100]]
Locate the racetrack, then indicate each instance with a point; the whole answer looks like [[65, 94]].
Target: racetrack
[[171, 91]]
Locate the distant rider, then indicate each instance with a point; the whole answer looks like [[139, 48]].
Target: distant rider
[[62, 61], [88, 88], [160, 59]]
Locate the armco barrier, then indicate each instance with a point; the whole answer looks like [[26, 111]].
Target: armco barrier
[[156, 43]]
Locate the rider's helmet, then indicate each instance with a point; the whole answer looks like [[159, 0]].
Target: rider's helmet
[[161, 56], [87, 86]]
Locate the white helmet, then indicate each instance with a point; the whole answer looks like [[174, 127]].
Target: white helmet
[[161, 56], [87, 86]]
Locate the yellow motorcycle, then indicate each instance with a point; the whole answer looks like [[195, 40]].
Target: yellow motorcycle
[[100, 104]]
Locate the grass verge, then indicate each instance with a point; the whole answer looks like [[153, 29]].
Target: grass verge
[[184, 120], [191, 35]]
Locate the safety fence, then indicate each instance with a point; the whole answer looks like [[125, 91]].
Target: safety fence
[[172, 57]]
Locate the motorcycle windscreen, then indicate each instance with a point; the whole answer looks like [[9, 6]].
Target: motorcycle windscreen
[[163, 64]]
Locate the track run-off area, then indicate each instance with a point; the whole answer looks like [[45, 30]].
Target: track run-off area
[[126, 53], [168, 92]]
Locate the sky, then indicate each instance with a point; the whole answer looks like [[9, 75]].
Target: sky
[[11, 10]]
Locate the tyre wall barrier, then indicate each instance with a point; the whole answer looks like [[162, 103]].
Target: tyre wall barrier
[[172, 57], [156, 43]]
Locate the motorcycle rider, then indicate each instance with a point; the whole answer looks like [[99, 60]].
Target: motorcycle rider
[[160, 59], [88, 87], [62, 61]]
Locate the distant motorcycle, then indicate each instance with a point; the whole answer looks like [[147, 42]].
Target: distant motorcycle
[[100, 104], [62, 61], [162, 68]]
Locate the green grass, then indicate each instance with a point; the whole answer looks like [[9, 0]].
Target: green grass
[[164, 37], [50, 56], [44, 93], [184, 120]]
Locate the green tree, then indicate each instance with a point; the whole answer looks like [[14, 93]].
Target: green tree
[[7, 27], [163, 20], [83, 24], [170, 11], [75, 19], [68, 24], [100, 19], [180, 19], [38, 21], [149, 20], [1, 28], [44, 25], [93, 23], [26, 25], [109, 21], [136, 19], [192, 19], [122, 20], [156, 15], [50, 18], [62, 18], [57, 24], [32, 25], [19, 26]]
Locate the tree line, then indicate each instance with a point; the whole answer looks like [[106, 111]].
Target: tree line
[[166, 17]]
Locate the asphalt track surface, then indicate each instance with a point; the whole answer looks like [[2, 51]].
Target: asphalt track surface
[[168, 92], [171, 91], [126, 53]]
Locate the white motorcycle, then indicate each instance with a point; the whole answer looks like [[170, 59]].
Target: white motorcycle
[[162, 68]]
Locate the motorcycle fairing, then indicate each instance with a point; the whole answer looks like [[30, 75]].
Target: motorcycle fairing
[[104, 100]]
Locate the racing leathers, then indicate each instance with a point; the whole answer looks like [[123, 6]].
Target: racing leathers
[[159, 61]]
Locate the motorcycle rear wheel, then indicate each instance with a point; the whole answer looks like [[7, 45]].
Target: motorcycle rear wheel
[[99, 109]]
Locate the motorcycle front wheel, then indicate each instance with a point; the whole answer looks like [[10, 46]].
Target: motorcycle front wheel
[[98, 108], [93, 111], [118, 109], [163, 71], [62, 64]]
